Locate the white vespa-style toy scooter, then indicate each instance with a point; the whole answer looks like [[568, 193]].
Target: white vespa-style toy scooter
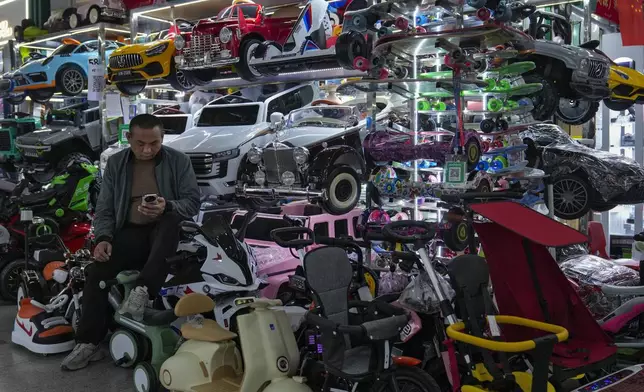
[[209, 359]]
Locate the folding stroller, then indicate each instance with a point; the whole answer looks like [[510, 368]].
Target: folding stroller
[[528, 283]]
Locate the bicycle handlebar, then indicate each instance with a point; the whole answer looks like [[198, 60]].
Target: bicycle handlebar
[[390, 231], [276, 235]]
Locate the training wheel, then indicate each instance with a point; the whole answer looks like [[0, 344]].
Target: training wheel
[[504, 84], [421, 29], [439, 106], [423, 105], [491, 84], [124, 348], [487, 126], [359, 23], [360, 63], [383, 73], [145, 378], [401, 72], [494, 105], [502, 124], [402, 23], [512, 104], [483, 14]]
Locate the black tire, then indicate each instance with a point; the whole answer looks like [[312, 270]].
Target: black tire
[[572, 197], [342, 191], [131, 88], [457, 238], [472, 150], [545, 101], [487, 125], [410, 379], [16, 100], [93, 9], [10, 278], [246, 52], [200, 78], [71, 80], [576, 112], [178, 79], [41, 96], [348, 46], [618, 106], [66, 15]]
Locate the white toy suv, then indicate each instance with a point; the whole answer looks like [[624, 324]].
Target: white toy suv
[[224, 130]]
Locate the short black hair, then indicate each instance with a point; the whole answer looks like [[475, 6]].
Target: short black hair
[[146, 121]]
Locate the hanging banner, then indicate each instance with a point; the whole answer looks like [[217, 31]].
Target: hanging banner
[[607, 9], [95, 79], [631, 22]]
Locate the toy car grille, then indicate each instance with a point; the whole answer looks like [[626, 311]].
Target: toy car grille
[[126, 61], [597, 69], [5, 141], [204, 166], [201, 48], [277, 161]]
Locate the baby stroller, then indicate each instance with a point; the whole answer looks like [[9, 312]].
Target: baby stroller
[[528, 283]]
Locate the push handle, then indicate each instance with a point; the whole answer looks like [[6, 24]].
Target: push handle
[[277, 235], [393, 231]]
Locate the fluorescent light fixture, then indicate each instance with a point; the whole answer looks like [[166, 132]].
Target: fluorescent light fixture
[[5, 2], [71, 34], [155, 9], [51, 99], [155, 19]]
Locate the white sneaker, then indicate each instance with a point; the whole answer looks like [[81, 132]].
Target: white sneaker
[[136, 303]]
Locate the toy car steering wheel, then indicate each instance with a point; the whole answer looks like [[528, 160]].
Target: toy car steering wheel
[[423, 231]]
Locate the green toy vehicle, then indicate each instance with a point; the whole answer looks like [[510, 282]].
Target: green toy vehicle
[[28, 31]]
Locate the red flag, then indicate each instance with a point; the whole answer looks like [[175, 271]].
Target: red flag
[[607, 9], [631, 22]]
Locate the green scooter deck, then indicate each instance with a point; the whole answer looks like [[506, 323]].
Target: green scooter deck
[[524, 89], [506, 111], [513, 69]]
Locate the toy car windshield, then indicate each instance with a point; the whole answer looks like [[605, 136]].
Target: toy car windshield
[[327, 116], [64, 49]]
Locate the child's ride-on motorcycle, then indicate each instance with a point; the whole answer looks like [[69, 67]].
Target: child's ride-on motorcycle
[[209, 359]]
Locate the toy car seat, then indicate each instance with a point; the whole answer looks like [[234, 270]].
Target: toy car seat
[[597, 242], [328, 275]]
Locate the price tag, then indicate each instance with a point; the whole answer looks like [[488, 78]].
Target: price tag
[[96, 79], [455, 174]]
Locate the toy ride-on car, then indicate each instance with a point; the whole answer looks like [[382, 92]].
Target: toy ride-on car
[[316, 156]]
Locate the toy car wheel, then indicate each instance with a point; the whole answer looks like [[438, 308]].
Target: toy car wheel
[[472, 149], [41, 96], [545, 101], [487, 125], [145, 378], [349, 46], [94, 15], [618, 106], [457, 237], [131, 88], [73, 20], [16, 99], [201, 77], [10, 278], [246, 53], [71, 80], [572, 197], [342, 191], [502, 124], [476, 3], [575, 111], [124, 348]]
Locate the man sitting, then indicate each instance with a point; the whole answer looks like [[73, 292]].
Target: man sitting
[[132, 234]]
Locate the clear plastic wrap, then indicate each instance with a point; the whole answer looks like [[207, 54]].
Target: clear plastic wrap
[[590, 273], [614, 177], [566, 252], [420, 295], [392, 282], [270, 256]]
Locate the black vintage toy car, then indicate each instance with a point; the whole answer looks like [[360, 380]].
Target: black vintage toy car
[[316, 156], [583, 178]]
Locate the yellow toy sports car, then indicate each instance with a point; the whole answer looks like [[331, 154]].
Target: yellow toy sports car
[[626, 87], [131, 66]]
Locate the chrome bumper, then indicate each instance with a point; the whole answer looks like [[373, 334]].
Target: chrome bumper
[[212, 64], [275, 193]]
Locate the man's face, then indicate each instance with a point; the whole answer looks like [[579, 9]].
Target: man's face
[[145, 143]]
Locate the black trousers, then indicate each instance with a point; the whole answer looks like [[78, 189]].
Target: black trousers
[[143, 248]]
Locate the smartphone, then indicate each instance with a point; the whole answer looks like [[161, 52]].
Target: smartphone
[[149, 199]]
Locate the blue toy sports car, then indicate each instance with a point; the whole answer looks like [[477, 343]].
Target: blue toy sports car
[[64, 71]]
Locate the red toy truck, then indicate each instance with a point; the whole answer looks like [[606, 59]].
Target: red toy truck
[[217, 42]]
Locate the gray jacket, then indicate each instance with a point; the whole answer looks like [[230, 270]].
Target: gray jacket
[[175, 178]]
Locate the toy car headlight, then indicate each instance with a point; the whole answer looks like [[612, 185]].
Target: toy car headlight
[[157, 50], [255, 155], [301, 155], [583, 65], [225, 155], [179, 42], [227, 280], [225, 35], [260, 177], [288, 178]]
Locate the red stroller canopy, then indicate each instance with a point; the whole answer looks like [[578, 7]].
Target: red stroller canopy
[[528, 282]]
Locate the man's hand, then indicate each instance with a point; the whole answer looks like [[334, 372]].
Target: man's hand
[[103, 251], [153, 210]]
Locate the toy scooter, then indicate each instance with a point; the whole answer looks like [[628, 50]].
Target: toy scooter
[[209, 359], [146, 344]]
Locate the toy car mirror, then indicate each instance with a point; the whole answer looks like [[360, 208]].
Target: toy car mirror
[[190, 227], [276, 120]]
